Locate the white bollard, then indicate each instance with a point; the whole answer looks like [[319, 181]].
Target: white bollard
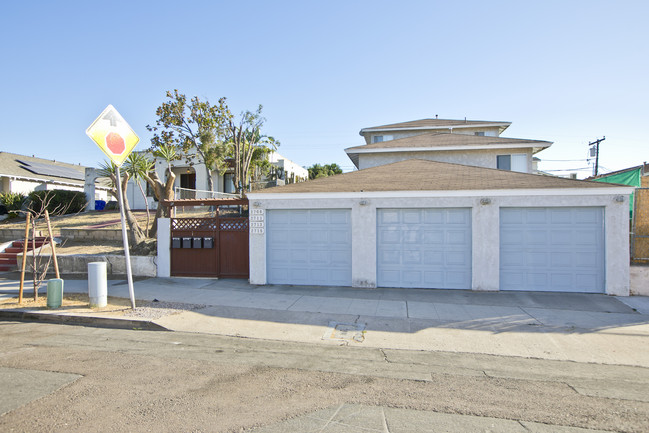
[[97, 284]]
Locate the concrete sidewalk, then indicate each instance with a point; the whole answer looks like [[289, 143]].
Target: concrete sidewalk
[[577, 327]]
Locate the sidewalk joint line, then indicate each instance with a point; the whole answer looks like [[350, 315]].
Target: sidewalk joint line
[[385, 422]]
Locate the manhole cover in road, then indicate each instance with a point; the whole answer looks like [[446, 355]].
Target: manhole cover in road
[[345, 332]]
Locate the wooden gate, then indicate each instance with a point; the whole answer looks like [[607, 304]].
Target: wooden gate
[[209, 247]]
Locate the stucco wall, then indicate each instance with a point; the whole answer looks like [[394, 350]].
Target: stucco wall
[[485, 210], [478, 158]]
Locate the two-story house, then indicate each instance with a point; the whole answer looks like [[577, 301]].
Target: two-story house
[[446, 204], [468, 142]]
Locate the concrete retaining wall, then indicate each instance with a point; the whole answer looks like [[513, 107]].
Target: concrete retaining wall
[[92, 234], [17, 234], [141, 266]]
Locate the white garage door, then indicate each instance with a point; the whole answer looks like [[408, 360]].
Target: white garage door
[[425, 248], [552, 249], [309, 247]]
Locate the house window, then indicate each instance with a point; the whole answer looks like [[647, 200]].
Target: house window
[[381, 138], [516, 162], [480, 133]]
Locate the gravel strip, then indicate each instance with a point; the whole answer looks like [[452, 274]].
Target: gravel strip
[[156, 309]]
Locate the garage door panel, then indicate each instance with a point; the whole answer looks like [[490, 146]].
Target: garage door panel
[[458, 216], [561, 249], [434, 216], [411, 257], [433, 258], [561, 237], [390, 257], [410, 237], [511, 237], [538, 237], [432, 237], [513, 217], [586, 216], [534, 216], [426, 248], [389, 216], [512, 259], [457, 237], [411, 217], [298, 217], [309, 247], [457, 258], [561, 260], [587, 238], [457, 279], [389, 237]]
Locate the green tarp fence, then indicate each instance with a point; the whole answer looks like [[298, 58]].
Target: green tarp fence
[[629, 177]]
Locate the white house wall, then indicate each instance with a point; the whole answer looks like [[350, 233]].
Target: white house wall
[[478, 158], [485, 214]]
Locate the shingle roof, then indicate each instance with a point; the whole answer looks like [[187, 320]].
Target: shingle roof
[[432, 140], [30, 167], [422, 175], [436, 123]]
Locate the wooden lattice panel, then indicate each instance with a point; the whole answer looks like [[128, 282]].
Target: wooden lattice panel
[[194, 223], [234, 224]]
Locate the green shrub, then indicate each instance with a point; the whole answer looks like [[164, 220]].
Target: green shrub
[[12, 200], [58, 201]]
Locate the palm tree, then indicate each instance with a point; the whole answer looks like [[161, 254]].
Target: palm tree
[[109, 169], [138, 167]]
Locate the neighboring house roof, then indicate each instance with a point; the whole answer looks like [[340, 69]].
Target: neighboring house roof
[[39, 169], [445, 141], [435, 124], [424, 175]]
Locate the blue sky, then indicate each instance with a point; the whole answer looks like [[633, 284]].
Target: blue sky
[[563, 71]]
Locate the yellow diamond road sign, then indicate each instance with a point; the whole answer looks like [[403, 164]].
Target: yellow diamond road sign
[[113, 135]]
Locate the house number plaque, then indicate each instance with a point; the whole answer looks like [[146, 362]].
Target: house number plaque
[[257, 221]]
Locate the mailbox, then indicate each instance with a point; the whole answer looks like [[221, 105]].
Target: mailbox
[[197, 243], [208, 242], [175, 242], [187, 242]]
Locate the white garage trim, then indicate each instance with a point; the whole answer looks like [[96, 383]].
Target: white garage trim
[[309, 247], [552, 249]]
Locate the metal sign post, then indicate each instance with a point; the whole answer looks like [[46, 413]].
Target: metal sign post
[[127, 254], [116, 139]]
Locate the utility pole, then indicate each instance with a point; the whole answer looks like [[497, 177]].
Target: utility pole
[[596, 144]]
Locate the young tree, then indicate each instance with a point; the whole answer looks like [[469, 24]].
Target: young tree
[[109, 169], [195, 129], [246, 140], [162, 190]]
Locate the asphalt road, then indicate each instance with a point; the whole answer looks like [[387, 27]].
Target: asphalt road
[[57, 378]]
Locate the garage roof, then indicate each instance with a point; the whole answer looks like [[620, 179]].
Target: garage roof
[[422, 175]]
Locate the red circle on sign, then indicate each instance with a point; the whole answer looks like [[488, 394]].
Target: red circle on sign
[[115, 143]]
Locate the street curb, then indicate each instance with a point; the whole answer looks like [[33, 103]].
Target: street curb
[[97, 322]]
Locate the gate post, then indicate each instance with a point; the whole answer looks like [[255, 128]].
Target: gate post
[[164, 247]]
